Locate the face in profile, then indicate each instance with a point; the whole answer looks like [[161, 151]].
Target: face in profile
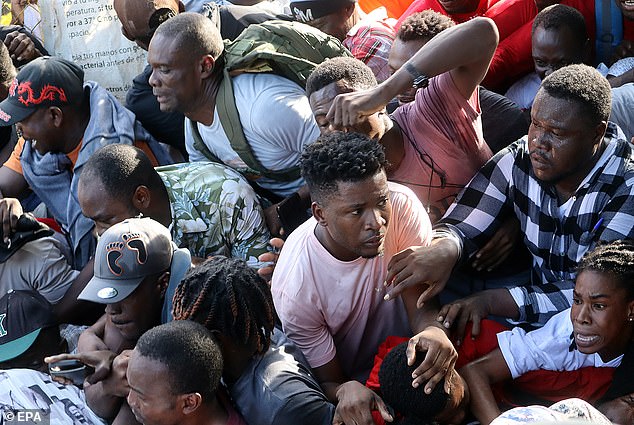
[[400, 52], [102, 208], [320, 101], [150, 397], [176, 77]]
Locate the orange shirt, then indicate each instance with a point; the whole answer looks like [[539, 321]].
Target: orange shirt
[[13, 163], [395, 8]]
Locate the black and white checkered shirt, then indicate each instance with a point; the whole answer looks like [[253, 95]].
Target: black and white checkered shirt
[[602, 208]]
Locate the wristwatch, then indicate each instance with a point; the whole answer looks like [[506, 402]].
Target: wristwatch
[[420, 80]]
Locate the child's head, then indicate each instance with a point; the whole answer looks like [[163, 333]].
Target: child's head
[[603, 300], [417, 407]]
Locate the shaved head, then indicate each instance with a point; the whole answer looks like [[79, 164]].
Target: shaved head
[[139, 18]]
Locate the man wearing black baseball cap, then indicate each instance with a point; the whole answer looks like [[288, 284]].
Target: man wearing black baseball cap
[[62, 120]]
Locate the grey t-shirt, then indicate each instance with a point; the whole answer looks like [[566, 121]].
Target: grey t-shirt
[[41, 266], [278, 388]]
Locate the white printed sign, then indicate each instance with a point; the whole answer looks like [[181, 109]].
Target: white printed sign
[[88, 32]]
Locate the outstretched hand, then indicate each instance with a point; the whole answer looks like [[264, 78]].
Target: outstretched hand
[[21, 47], [457, 314], [499, 247], [422, 265], [440, 357], [100, 360], [10, 212], [355, 403]]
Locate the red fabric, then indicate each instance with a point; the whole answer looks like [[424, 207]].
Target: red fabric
[[589, 383], [420, 5], [628, 30], [51, 223], [513, 57], [395, 8], [514, 19]]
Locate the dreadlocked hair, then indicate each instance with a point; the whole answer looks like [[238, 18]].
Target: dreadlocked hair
[[615, 258], [227, 296]]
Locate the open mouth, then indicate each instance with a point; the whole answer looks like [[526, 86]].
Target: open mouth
[[585, 340]]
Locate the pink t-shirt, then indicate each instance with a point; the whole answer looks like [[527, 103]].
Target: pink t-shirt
[[443, 129], [328, 306]]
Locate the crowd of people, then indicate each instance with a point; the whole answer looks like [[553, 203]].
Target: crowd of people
[[324, 212]]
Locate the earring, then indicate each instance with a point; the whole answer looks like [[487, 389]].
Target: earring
[[630, 319]]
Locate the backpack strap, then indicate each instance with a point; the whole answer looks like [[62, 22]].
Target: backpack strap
[[230, 121], [199, 144], [609, 24]]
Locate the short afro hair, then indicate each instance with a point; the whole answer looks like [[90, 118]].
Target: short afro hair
[[190, 354], [120, 169], [560, 16], [340, 157], [583, 85], [614, 258], [423, 25], [354, 72], [395, 379], [195, 34]]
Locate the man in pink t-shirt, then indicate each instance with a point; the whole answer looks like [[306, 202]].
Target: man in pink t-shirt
[[329, 283], [434, 145]]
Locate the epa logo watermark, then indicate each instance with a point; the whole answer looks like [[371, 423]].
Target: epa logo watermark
[[25, 417]]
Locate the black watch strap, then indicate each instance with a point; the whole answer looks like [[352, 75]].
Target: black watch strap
[[420, 80]]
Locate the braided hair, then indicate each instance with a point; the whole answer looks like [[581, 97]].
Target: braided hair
[[226, 295], [615, 258]]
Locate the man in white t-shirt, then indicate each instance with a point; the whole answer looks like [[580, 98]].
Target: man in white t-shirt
[[328, 285], [275, 117]]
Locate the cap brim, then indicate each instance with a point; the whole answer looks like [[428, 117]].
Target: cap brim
[[12, 112], [108, 291], [17, 347]]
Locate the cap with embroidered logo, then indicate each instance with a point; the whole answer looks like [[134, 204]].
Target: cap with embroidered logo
[[126, 254], [309, 10], [45, 81], [23, 315]]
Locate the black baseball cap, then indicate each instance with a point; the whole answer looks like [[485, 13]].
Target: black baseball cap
[[309, 10], [23, 315], [45, 81]]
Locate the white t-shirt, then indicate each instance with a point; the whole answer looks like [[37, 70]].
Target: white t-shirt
[[548, 348], [328, 306], [29, 389], [276, 120], [40, 266]]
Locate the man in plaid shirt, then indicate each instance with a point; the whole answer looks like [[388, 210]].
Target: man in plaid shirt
[[570, 183]]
